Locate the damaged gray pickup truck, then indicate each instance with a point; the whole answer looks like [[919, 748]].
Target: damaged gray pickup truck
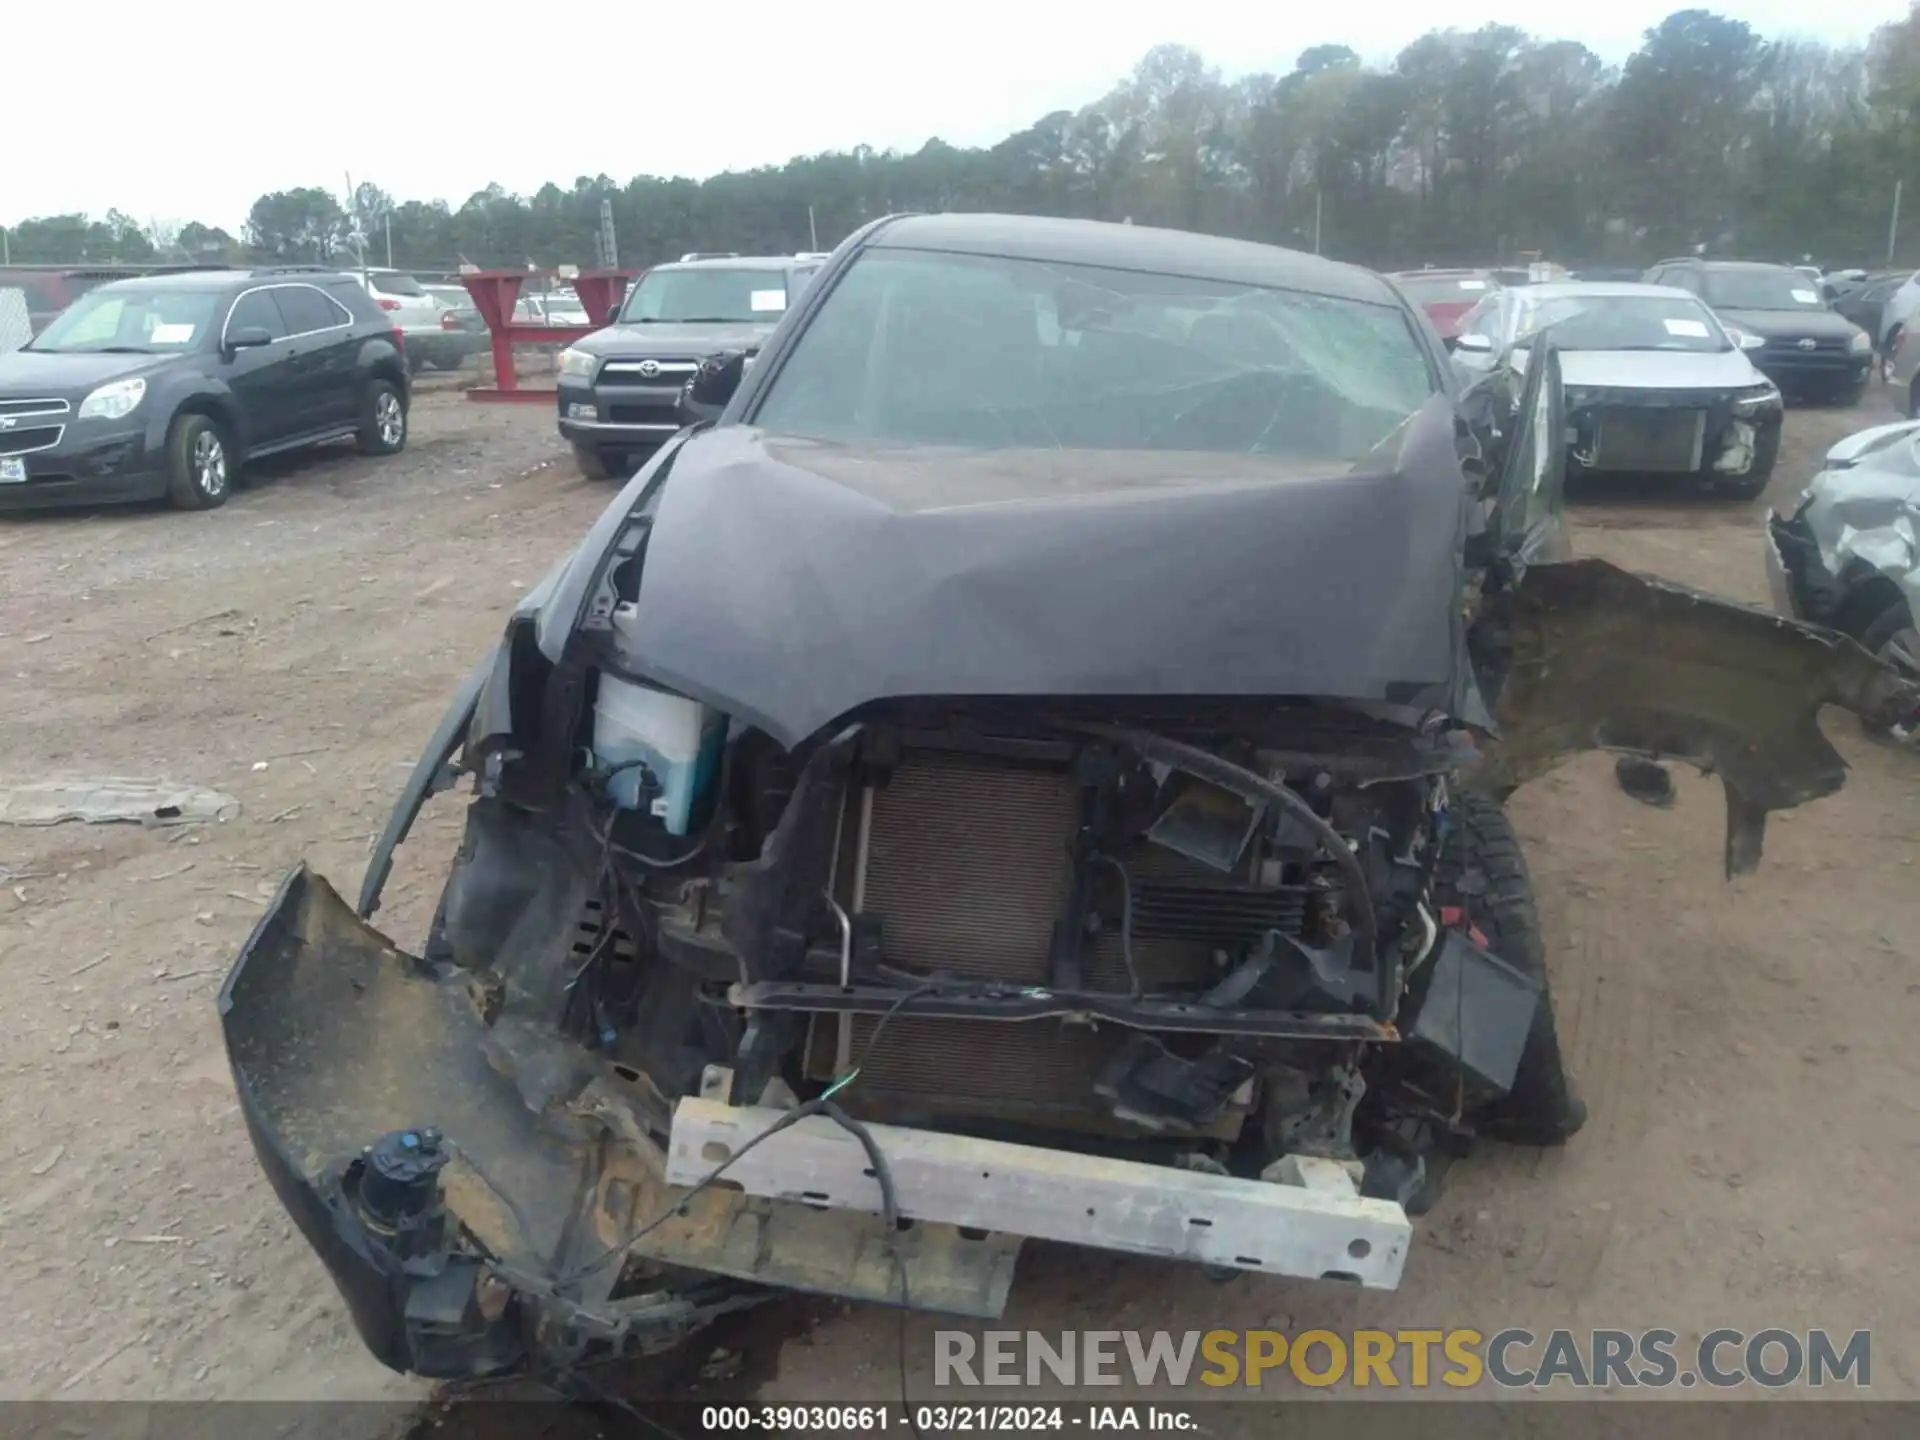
[[1032, 769]]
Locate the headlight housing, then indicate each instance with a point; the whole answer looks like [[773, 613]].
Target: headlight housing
[[114, 401], [1745, 339], [1760, 397], [1860, 344], [577, 363]]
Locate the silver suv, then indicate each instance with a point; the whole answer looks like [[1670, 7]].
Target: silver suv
[[619, 388], [416, 314]]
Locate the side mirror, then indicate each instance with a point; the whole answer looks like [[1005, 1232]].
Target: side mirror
[[714, 384], [247, 337], [1472, 344]]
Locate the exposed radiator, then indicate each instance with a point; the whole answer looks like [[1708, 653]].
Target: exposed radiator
[[1650, 440], [968, 867]]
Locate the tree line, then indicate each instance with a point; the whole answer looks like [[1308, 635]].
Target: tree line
[[1472, 147]]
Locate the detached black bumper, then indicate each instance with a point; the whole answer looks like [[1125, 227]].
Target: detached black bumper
[[470, 1195], [314, 1014]]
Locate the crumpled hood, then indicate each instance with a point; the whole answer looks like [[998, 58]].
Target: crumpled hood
[[791, 581], [640, 341], [34, 374], [1658, 370]]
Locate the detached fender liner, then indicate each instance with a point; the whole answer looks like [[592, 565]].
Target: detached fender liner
[[1602, 659]]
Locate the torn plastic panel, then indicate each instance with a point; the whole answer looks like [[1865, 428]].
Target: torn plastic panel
[[1471, 1015], [342, 1047], [431, 774], [1601, 659]]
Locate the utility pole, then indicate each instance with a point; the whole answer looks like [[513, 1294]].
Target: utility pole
[[1893, 225], [609, 241], [1316, 219], [359, 231], [388, 220], [813, 233], [6, 247]]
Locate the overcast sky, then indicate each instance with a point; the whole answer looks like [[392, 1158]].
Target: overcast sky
[[188, 112]]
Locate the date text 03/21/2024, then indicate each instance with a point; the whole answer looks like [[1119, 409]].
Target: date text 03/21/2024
[[943, 1419]]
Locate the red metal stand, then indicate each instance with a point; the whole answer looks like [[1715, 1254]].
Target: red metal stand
[[497, 292]]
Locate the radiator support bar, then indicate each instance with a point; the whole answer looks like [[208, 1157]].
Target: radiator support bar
[[1309, 1221]]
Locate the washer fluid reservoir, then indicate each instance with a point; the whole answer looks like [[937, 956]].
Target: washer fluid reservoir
[[663, 749]]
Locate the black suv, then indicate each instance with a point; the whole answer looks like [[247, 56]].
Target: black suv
[[620, 387], [165, 385], [1780, 318]]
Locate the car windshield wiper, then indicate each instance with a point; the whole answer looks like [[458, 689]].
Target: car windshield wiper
[[113, 350], [706, 320]]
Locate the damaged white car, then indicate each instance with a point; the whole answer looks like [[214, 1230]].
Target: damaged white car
[[1847, 555], [1032, 768], [1655, 384]]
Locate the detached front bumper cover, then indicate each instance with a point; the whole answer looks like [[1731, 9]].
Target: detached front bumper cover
[[343, 1048]]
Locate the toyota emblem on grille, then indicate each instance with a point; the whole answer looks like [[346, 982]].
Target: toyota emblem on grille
[[649, 368], [1806, 344]]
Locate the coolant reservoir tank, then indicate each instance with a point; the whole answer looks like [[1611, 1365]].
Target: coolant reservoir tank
[[663, 749]]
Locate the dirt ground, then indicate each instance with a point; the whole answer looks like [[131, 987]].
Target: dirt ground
[[1745, 1048]]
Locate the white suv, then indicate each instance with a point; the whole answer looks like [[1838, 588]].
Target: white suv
[[416, 314]]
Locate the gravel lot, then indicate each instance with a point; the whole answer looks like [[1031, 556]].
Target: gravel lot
[[1745, 1048]]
